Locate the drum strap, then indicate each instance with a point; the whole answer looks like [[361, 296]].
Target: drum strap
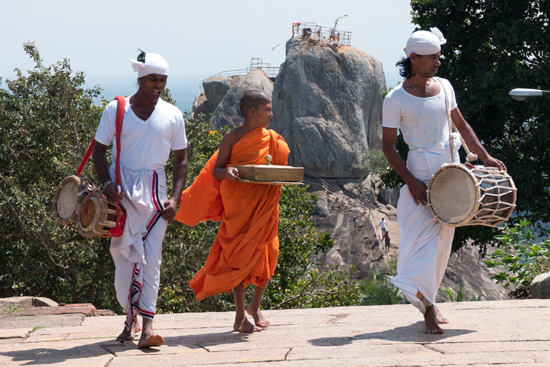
[[121, 104], [470, 157]]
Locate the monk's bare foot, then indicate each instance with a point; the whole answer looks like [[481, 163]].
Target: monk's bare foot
[[258, 317], [440, 318], [430, 319], [129, 334], [242, 325], [150, 341]]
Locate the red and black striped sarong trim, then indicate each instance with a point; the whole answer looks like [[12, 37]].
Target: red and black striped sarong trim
[[157, 203], [147, 314]]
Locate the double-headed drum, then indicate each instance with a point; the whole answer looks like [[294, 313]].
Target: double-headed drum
[[68, 197], [97, 216], [461, 195]]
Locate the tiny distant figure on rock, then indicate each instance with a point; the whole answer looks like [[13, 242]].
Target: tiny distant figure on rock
[[382, 225], [386, 237], [418, 106], [151, 128], [247, 245]]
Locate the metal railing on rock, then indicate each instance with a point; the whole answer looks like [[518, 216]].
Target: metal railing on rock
[[310, 29], [255, 62]]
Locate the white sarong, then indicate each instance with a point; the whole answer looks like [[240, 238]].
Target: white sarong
[[137, 254], [425, 243]]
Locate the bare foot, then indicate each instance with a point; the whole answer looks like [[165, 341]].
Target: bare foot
[[242, 325], [440, 318], [430, 319], [150, 341], [258, 317], [129, 334]]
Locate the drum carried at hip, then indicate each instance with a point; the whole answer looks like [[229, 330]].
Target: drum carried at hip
[[78, 200], [467, 195]]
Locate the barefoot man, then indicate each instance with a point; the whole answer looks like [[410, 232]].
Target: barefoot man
[[417, 107], [151, 128], [247, 245]]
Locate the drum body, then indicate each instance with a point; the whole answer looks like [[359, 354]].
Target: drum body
[[68, 197], [97, 216], [460, 195]]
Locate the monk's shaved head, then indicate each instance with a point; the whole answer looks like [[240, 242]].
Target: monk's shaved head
[[253, 98]]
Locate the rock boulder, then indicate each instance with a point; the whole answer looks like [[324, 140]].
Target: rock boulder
[[540, 286], [327, 104], [228, 113]]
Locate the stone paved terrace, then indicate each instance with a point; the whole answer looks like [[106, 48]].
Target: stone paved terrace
[[503, 333]]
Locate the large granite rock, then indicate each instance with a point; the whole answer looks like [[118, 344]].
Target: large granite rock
[[327, 104], [216, 87], [467, 268], [540, 286], [228, 112]]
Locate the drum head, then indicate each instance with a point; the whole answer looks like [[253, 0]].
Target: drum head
[[453, 194], [67, 198]]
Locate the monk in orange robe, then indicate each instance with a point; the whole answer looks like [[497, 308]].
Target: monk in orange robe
[[247, 246]]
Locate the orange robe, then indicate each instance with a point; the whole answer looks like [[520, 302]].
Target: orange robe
[[247, 246]]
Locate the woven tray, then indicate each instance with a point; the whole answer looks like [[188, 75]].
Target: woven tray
[[270, 174], [271, 182]]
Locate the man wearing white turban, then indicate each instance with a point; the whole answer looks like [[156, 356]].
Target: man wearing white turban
[[417, 107], [151, 128]]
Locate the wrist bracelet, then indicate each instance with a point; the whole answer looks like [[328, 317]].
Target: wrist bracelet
[[107, 183]]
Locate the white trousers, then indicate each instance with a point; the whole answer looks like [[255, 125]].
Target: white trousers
[[425, 243]]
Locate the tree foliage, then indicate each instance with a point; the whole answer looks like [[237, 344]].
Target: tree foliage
[[493, 47], [521, 258], [373, 161], [47, 119]]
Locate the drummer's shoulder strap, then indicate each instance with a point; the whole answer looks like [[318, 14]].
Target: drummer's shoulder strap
[[469, 155], [121, 105]]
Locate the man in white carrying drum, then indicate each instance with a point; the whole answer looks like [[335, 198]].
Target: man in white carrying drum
[[418, 107], [150, 129]]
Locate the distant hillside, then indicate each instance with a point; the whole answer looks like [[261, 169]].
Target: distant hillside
[[184, 88]]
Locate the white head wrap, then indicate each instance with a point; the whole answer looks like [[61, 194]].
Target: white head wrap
[[425, 43], [154, 64]]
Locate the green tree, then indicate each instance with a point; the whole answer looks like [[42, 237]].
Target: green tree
[[47, 119], [493, 47]]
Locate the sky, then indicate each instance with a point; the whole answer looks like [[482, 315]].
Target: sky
[[203, 37]]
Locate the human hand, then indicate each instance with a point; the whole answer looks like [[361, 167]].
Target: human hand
[[492, 162], [232, 174], [418, 189], [169, 211], [112, 194]]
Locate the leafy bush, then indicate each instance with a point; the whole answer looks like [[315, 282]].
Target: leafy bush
[[373, 161], [521, 257], [376, 289], [458, 296]]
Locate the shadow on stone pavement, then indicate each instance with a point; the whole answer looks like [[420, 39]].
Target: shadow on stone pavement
[[410, 334]]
